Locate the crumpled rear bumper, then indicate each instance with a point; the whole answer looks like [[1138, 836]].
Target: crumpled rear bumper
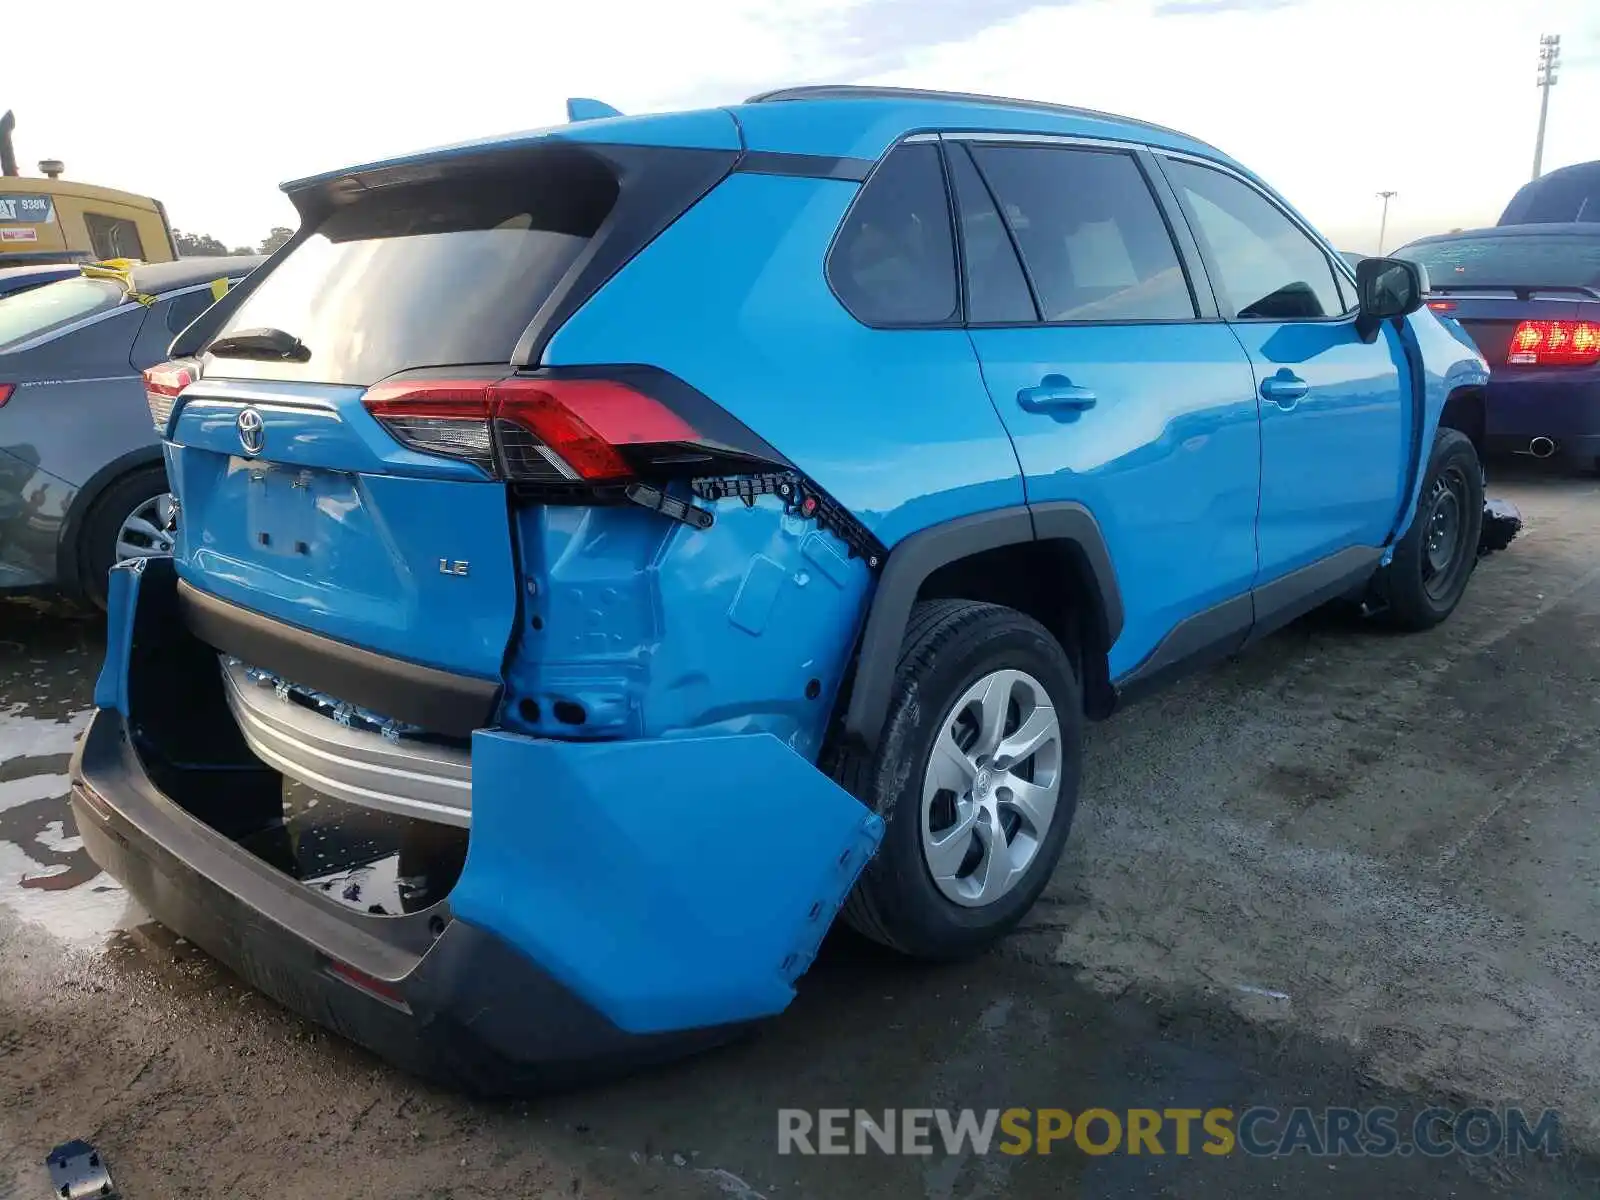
[[621, 902]]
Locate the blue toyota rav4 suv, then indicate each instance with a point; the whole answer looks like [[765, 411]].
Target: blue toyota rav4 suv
[[703, 523]]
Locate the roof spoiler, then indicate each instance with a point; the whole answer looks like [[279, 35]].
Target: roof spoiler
[[582, 109], [8, 156]]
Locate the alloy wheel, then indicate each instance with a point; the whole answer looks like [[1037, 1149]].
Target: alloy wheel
[[991, 786], [149, 529]]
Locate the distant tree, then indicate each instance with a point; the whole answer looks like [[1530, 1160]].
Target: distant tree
[[195, 245], [276, 238], [242, 250]]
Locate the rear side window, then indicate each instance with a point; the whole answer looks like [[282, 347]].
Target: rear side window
[[894, 261], [181, 310], [997, 292], [443, 273], [1091, 236], [1269, 268], [168, 318], [28, 314]]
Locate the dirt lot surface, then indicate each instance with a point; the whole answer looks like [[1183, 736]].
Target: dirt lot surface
[[1347, 869]]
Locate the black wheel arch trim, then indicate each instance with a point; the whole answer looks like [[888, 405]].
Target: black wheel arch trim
[[914, 559], [1418, 401], [1070, 522], [69, 558]]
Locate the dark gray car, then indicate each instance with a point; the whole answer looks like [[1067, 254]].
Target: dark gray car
[[82, 483]]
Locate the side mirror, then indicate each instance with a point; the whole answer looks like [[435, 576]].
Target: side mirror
[[1388, 288]]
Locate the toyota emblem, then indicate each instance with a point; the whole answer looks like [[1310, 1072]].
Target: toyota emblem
[[251, 435]]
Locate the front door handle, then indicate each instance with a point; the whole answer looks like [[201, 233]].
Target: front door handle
[[1285, 389], [1056, 396]]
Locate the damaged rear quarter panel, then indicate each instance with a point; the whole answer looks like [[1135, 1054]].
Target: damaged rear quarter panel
[[895, 424], [727, 628], [664, 630], [635, 626]]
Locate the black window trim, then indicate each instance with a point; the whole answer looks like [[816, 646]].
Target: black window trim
[[1189, 266], [1200, 273], [959, 319], [947, 147], [1335, 261], [1090, 145], [121, 308]]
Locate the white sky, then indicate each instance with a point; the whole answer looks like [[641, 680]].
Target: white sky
[[1330, 100]]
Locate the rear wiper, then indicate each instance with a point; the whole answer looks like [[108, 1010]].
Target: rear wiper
[[272, 344]]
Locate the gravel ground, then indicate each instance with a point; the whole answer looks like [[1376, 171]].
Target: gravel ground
[[1345, 869]]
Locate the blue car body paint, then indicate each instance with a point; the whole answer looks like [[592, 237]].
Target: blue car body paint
[[601, 861], [652, 823]]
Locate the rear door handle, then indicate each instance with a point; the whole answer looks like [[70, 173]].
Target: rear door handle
[[1056, 396], [1285, 389]]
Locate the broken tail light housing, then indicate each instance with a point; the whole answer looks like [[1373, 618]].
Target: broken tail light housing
[[1555, 344], [603, 435], [163, 383], [580, 430]]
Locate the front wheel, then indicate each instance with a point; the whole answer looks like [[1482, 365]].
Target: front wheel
[[1434, 560], [976, 778]]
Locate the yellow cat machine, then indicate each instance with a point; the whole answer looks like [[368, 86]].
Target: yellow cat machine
[[51, 219]]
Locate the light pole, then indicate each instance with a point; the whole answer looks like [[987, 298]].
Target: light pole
[[1383, 225], [1549, 58]]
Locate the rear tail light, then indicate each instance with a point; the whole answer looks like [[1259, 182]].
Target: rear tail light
[[1555, 344], [162, 385], [5, 392], [1442, 306], [561, 430], [606, 435]]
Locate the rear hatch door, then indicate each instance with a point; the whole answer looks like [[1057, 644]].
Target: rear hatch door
[[296, 502]]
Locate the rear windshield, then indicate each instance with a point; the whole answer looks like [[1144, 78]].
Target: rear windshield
[[1500, 261], [444, 273], [26, 315]]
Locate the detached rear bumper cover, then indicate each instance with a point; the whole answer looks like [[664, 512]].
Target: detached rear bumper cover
[[603, 919]]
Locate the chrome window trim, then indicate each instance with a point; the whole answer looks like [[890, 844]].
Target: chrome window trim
[[44, 339], [1128, 146], [241, 403]]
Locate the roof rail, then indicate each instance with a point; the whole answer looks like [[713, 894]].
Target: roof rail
[[850, 91]]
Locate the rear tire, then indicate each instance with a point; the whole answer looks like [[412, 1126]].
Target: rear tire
[[1433, 562], [988, 703], [115, 528]]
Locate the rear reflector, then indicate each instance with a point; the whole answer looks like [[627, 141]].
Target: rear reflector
[[1555, 344], [162, 385], [1442, 306], [373, 986], [588, 430]]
